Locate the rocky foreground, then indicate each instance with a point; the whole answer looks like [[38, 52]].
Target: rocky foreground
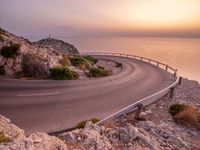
[[156, 131]]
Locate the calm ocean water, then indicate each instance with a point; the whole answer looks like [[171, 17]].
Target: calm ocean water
[[180, 53]]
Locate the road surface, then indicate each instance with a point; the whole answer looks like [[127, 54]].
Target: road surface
[[46, 105]]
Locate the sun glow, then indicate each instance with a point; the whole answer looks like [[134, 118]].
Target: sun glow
[[159, 14]]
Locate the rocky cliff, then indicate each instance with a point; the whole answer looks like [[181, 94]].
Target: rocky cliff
[[59, 45], [11, 62]]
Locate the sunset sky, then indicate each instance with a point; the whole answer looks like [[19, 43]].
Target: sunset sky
[[101, 17]]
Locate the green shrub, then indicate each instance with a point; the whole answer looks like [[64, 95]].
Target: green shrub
[[62, 73], [10, 51], [77, 60], [32, 67], [94, 120], [176, 108], [19, 74], [98, 72], [90, 58], [64, 61], [82, 124], [3, 138], [80, 62], [2, 31], [1, 38], [2, 70], [118, 64]]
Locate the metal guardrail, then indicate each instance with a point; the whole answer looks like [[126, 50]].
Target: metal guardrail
[[144, 59], [147, 100]]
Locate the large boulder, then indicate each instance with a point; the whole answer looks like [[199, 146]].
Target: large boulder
[[10, 130], [17, 139]]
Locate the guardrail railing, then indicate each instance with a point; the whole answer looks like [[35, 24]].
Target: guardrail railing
[[147, 100], [144, 59]]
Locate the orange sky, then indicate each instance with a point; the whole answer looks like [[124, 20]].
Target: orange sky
[[79, 17]]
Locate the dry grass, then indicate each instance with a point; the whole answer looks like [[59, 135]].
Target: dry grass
[[3, 138], [82, 124], [64, 61], [110, 124], [189, 116]]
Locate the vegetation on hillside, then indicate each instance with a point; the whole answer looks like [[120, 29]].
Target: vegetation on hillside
[[3, 138], [64, 61], [185, 114], [90, 58], [2, 31], [62, 73], [82, 124], [32, 67], [2, 70], [10, 51], [80, 62], [99, 72]]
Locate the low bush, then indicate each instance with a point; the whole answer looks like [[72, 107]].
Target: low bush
[[3, 138], [187, 115], [1, 38], [19, 74], [82, 124], [2, 31], [90, 58], [99, 72], [32, 67], [2, 70], [62, 73], [64, 61], [118, 64], [10, 51], [80, 62], [176, 108]]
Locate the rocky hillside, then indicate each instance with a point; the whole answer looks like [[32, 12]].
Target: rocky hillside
[[59, 45], [14, 48], [46, 59]]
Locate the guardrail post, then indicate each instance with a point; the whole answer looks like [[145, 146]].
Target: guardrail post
[[166, 67], [175, 73], [149, 61], [158, 64], [171, 92], [141, 58], [138, 111], [179, 80]]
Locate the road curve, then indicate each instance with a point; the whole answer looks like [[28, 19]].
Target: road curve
[[46, 105]]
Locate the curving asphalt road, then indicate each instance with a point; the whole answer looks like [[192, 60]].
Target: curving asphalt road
[[44, 105]]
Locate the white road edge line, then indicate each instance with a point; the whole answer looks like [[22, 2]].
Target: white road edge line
[[38, 94]]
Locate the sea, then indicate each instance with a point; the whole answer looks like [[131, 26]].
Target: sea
[[180, 53]]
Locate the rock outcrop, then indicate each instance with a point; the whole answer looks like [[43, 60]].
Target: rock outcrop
[[49, 57], [59, 45], [35, 141]]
